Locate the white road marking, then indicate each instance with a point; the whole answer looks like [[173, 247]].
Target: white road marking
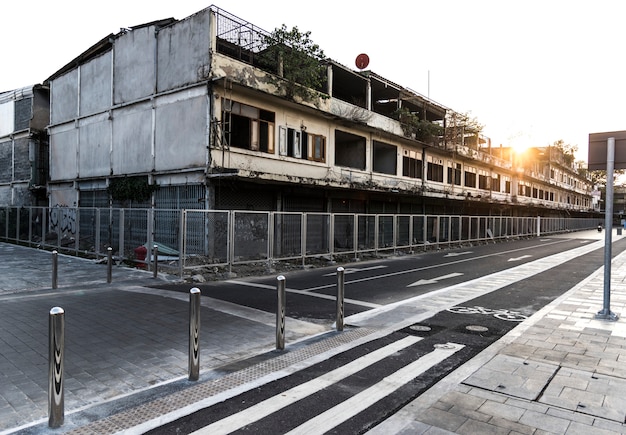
[[434, 280], [286, 398], [325, 421], [519, 258], [349, 270], [456, 254], [306, 293]]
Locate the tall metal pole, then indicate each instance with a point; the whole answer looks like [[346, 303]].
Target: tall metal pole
[[55, 269], [109, 264], [155, 255], [194, 334], [606, 313], [280, 313], [340, 297], [56, 335]]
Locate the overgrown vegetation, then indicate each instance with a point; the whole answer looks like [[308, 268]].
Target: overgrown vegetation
[[131, 189], [413, 126], [462, 128], [297, 60]]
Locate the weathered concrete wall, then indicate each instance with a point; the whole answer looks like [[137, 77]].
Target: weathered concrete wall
[[134, 67], [95, 85], [64, 97], [132, 139], [184, 52], [63, 153], [95, 147], [7, 116], [181, 133], [21, 161], [6, 162]]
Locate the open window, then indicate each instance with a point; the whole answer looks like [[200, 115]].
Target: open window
[[301, 145], [248, 127], [454, 173], [435, 169], [412, 164], [349, 150], [385, 158]]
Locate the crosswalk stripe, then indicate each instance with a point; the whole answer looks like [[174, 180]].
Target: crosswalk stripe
[[359, 402], [273, 404]]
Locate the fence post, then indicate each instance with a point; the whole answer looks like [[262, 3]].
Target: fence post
[[56, 335], [109, 264], [194, 334], [340, 297], [280, 314], [155, 257], [55, 269]]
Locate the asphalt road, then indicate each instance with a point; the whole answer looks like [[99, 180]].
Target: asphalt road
[[307, 399], [311, 294]]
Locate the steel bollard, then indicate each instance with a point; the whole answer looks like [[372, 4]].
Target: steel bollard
[[109, 264], [194, 334], [280, 314], [155, 256], [55, 268], [56, 333], [340, 297]]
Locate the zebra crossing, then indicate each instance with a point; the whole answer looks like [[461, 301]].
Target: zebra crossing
[[323, 397]]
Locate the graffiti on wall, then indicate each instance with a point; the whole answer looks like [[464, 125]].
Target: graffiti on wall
[[63, 219]]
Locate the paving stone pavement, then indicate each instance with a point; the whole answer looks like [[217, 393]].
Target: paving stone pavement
[[562, 371], [122, 339]]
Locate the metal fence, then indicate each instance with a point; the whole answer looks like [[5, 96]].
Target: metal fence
[[190, 239]]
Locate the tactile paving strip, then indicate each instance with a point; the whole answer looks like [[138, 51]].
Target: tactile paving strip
[[132, 417]]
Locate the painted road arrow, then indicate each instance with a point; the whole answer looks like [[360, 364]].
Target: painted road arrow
[[434, 280], [456, 254], [519, 258], [349, 270]]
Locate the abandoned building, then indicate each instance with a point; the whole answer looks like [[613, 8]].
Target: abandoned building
[[24, 116], [186, 114]]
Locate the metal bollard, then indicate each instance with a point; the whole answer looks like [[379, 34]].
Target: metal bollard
[[109, 264], [155, 256], [55, 268], [280, 314], [340, 297], [56, 333], [194, 334]]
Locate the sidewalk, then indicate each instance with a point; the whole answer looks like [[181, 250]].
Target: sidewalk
[[125, 343], [558, 372], [561, 371]]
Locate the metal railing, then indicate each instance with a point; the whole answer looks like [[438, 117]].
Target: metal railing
[[191, 239]]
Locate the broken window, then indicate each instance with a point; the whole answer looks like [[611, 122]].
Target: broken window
[[412, 164], [454, 173], [315, 144], [289, 142], [495, 182], [483, 179], [435, 169], [349, 150], [507, 184], [248, 127], [385, 158], [470, 176], [301, 145]]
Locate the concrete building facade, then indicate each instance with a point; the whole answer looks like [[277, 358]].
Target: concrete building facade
[[186, 105], [24, 115]]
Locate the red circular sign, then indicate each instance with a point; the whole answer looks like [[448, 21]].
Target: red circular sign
[[362, 61]]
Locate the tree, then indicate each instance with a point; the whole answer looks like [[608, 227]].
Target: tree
[[297, 60], [463, 128]]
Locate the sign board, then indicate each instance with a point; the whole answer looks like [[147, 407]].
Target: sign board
[[597, 150]]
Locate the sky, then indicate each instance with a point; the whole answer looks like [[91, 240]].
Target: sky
[[531, 72]]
